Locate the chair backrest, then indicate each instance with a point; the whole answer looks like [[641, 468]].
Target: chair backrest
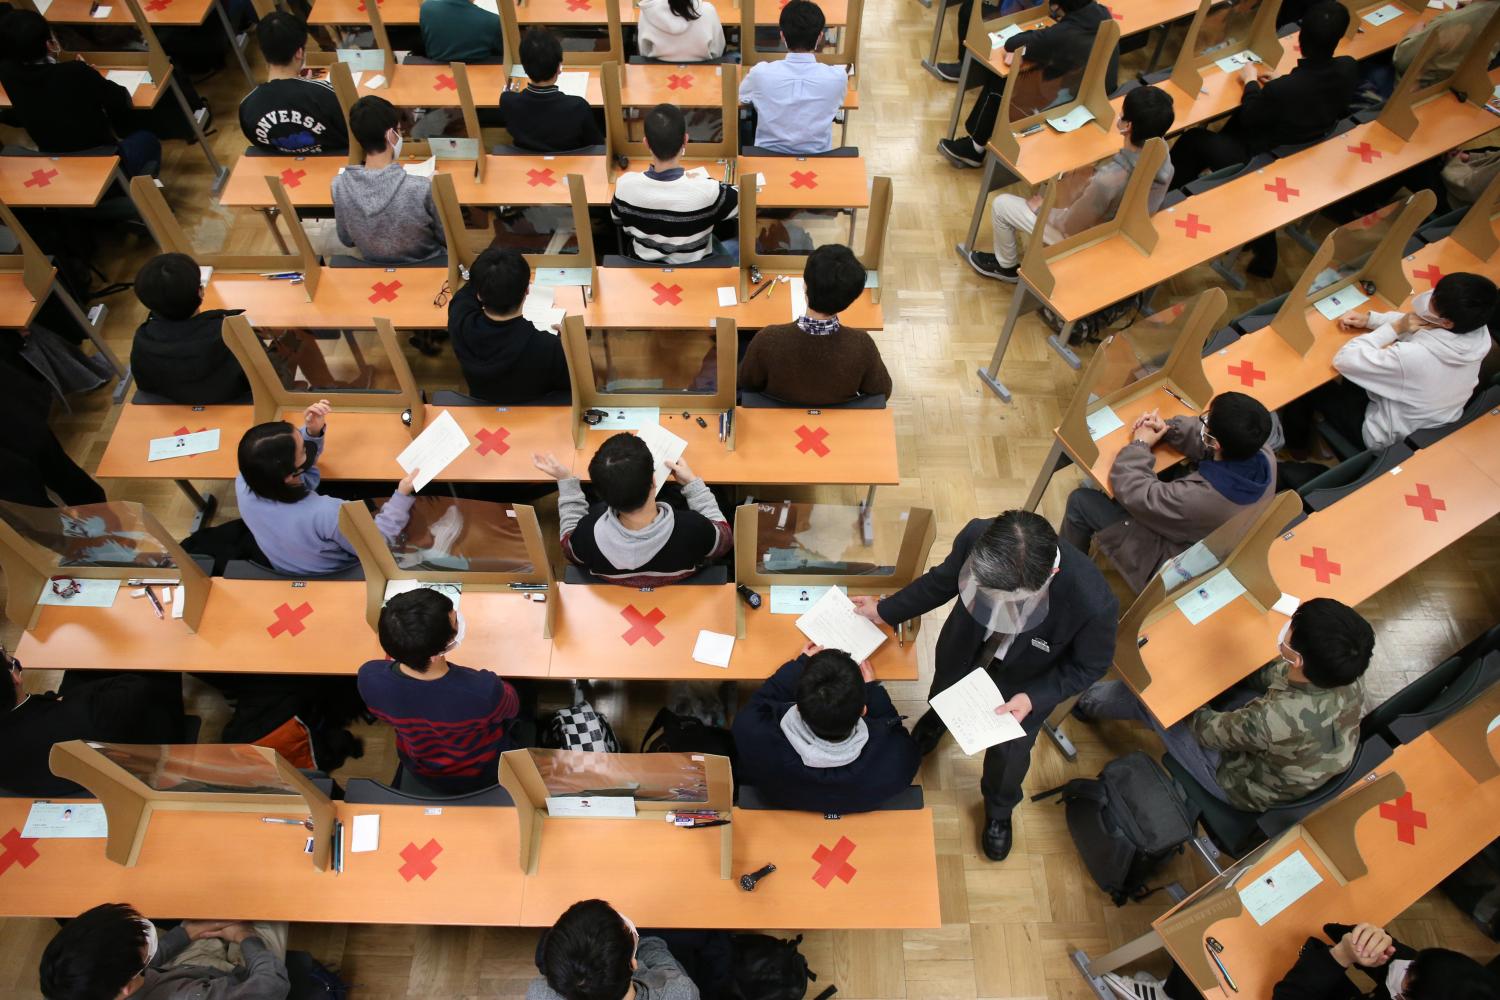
[[1441, 227], [143, 398], [1370, 755], [1220, 339], [244, 569], [1258, 317], [836, 153], [1415, 697], [909, 798], [369, 792], [1487, 400], [761, 401], [1474, 678], [345, 260], [505, 150], [1351, 474], [619, 260], [708, 576], [452, 397]]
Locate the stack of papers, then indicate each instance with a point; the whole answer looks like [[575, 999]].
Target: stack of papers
[[665, 447], [130, 79], [576, 84], [366, 834], [968, 709], [539, 310], [834, 624], [425, 168], [434, 449], [713, 648]]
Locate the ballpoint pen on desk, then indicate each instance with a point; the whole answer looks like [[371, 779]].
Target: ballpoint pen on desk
[[769, 282], [1174, 395], [287, 821], [1214, 948], [723, 425], [155, 602]]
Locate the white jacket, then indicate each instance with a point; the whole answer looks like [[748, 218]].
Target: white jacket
[[665, 36], [1417, 381]]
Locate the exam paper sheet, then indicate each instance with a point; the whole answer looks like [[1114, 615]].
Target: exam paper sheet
[[833, 623], [968, 709], [434, 449]]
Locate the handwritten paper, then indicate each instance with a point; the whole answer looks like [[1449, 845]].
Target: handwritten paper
[[1103, 421], [968, 709], [540, 309], [91, 594], [183, 445], [366, 834], [576, 84], [1209, 596], [453, 149], [798, 289], [1342, 301], [1283, 885], [363, 59], [999, 38], [713, 648], [1237, 61], [833, 623], [424, 168], [73, 820], [1380, 16], [729, 296], [1073, 120], [789, 599], [452, 591], [665, 447], [591, 806], [130, 79], [434, 449], [628, 418]]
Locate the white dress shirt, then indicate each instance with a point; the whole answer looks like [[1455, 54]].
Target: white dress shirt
[[795, 100]]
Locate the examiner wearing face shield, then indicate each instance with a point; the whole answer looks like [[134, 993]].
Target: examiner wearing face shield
[[1035, 613]]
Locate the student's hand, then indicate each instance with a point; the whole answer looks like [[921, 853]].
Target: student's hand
[[681, 472], [315, 417], [1365, 945], [1034, 201], [1354, 321], [235, 932], [1408, 323], [1150, 429], [811, 649], [198, 929], [1009, 58], [549, 464], [866, 605], [1254, 73], [1019, 706], [407, 486], [866, 671]]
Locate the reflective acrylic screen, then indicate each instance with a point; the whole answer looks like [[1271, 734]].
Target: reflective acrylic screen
[[802, 538], [646, 777], [100, 534], [446, 533]]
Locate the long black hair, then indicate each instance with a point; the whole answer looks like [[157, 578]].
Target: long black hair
[[685, 9], [267, 455]]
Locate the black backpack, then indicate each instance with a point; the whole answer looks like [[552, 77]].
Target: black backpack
[[770, 968], [670, 732], [1475, 889], [1126, 822]]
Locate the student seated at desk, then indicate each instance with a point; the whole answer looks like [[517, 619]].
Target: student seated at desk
[[1061, 48], [505, 359], [1411, 371], [35, 462], [1284, 733], [796, 98], [111, 952], [459, 31], [821, 734], [385, 213], [633, 538], [296, 527], [290, 113], [668, 214], [1455, 30], [541, 118], [680, 31], [1145, 114], [1399, 971], [816, 361], [68, 106], [179, 353], [452, 722], [1149, 520], [594, 952]]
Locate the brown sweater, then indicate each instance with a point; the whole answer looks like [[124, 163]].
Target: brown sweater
[[805, 370]]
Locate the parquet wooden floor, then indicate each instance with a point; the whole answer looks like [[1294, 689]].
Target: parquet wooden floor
[[1007, 929]]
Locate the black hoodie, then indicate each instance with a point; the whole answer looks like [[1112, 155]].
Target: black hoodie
[[1064, 47], [507, 362], [187, 360]]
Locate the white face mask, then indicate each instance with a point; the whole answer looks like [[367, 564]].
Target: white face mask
[[1395, 976], [635, 934], [1422, 306], [1285, 650], [396, 147], [458, 633], [150, 940]]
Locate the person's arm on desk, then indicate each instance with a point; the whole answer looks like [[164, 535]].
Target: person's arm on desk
[[1366, 359], [700, 500], [572, 507], [1161, 507], [932, 589], [265, 975]]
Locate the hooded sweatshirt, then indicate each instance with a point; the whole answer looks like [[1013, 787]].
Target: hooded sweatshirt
[[665, 36], [509, 362], [1417, 381], [387, 214], [262, 976], [187, 361], [672, 547]]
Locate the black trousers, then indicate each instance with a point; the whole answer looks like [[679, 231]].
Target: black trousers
[[1341, 403], [46, 467], [1201, 150], [981, 121], [1006, 764]]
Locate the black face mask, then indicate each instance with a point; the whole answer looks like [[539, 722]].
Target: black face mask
[[307, 464]]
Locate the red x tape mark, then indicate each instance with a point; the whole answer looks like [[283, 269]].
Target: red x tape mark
[[40, 178], [578, 4], [683, 82], [19, 850], [667, 295], [1431, 274], [184, 430], [1191, 226], [289, 620], [1323, 568], [804, 179], [292, 178], [1282, 190], [493, 440], [384, 292], [544, 177], [159, 4], [1424, 499], [642, 626], [419, 860], [812, 441], [1247, 373], [1406, 818], [1365, 152], [835, 863], [444, 82]]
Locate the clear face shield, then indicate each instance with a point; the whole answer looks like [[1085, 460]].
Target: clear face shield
[[1010, 612]]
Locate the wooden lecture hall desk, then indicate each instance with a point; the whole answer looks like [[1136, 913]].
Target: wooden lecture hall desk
[[143, 98], [557, 13], [56, 181], [1428, 502], [258, 871], [159, 13], [656, 297]]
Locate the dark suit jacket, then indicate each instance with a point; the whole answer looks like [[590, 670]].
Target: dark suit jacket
[[1299, 107], [1070, 650], [1318, 976]]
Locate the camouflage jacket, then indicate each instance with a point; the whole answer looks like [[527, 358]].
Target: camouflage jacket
[[1284, 744]]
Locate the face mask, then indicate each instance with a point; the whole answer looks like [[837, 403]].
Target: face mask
[[458, 633], [634, 934], [150, 940], [1395, 976], [1422, 306], [1287, 653], [1009, 611], [396, 147]]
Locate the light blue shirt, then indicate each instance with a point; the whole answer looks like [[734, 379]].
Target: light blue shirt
[[795, 100]]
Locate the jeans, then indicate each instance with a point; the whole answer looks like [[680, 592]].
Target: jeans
[[1088, 511]]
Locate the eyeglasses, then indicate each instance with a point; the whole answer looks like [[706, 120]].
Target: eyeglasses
[[1208, 439], [441, 298]]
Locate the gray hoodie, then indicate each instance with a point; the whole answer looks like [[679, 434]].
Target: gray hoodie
[[262, 977], [387, 214]]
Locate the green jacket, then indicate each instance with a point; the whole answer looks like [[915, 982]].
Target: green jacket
[[1284, 744], [459, 31]]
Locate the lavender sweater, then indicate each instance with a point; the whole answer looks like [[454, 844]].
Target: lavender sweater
[[303, 538]]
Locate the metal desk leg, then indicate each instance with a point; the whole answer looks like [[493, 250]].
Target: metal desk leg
[[205, 505], [958, 98], [1053, 728], [239, 51], [1161, 42], [1056, 459], [92, 331], [1059, 343], [1131, 951], [991, 376], [221, 172], [853, 220], [270, 213], [930, 63], [867, 517], [995, 176]]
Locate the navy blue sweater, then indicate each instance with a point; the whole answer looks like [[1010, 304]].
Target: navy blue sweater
[[767, 760]]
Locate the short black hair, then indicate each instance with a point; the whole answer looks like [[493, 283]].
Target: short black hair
[[1464, 299], [1016, 552], [94, 955], [1240, 423], [27, 34], [167, 284], [1149, 112], [1071, 6], [834, 278], [802, 24], [370, 119], [415, 627], [1335, 643], [281, 35], [622, 472], [500, 280], [586, 955], [1441, 974], [1323, 25], [831, 694], [266, 456], [541, 54], [666, 131]]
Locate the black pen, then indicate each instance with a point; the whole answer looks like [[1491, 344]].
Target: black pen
[[762, 288], [155, 603]]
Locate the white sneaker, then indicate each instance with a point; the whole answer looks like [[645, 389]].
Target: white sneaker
[[1143, 986]]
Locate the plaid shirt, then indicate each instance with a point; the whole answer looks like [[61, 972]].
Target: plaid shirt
[[818, 327]]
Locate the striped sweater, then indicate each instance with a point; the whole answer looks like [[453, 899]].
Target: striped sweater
[[670, 216], [453, 727]]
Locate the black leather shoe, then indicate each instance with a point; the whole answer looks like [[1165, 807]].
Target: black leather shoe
[[928, 732], [996, 839]]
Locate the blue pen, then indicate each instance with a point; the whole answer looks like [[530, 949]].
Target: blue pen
[[281, 275]]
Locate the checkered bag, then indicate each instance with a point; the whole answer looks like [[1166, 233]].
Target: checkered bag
[[579, 727]]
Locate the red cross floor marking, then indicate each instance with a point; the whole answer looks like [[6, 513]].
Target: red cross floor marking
[[1323, 568], [292, 178], [19, 850], [642, 626], [1431, 274], [1365, 152], [804, 178], [544, 176], [493, 440], [419, 860], [1424, 499], [578, 5], [1246, 372], [667, 295], [289, 620], [1282, 190], [683, 82], [1192, 227], [1406, 818], [812, 441], [835, 863], [444, 82], [40, 178], [384, 291]]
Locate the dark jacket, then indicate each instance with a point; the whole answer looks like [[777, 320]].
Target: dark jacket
[[886, 765], [1299, 107], [68, 106], [1070, 650], [187, 360], [459, 31], [1064, 47], [545, 120], [1318, 976], [796, 367], [508, 362]]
